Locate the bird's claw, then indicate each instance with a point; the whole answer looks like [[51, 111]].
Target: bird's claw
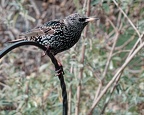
[[45, 52], [60, 71]]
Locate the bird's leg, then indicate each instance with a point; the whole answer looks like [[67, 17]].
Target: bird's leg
[[60, 70], [45, 52]]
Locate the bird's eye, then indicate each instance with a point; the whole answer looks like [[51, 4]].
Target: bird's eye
[[82, 19], [72, 19]]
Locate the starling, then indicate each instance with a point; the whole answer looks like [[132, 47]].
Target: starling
[[59, 35]]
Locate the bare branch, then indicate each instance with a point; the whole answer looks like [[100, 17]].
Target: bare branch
[[82, 61], [127, 18], [136, 44], [35, 8], [110, 56]]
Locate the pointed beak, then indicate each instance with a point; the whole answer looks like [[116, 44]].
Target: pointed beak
[[90, 19]]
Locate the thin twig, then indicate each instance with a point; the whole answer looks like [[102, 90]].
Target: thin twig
[[111, 92], [123, 45], [35, 8], [97, 92], [136, 44], [70, 94], [120, 51], [110, 55], [53, 10], [127, 18], [99, 80], [43, 15], [114, 45], [82, 62]]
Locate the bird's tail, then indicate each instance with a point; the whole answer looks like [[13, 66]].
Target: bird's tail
[[17, 40], [22, 38], [28, 35]]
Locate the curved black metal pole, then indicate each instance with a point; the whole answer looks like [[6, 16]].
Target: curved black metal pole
[[54, 61]]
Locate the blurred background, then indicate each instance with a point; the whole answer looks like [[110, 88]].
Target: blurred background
[[28, 84]]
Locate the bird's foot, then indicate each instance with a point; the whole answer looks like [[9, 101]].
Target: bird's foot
[[45, 52], [60, 70]]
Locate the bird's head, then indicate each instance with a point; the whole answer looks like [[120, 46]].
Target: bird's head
[[77, 20]]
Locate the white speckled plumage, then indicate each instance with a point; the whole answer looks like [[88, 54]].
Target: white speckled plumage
[[59, 35]]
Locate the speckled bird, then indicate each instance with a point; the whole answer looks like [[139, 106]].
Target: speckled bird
[[59, 35]]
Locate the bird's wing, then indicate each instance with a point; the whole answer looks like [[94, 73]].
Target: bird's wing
[[48, 28]]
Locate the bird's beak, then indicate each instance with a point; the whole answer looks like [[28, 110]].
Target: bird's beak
[[90, 19]]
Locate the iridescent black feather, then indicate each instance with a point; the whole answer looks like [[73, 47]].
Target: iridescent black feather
[[59, 35]]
